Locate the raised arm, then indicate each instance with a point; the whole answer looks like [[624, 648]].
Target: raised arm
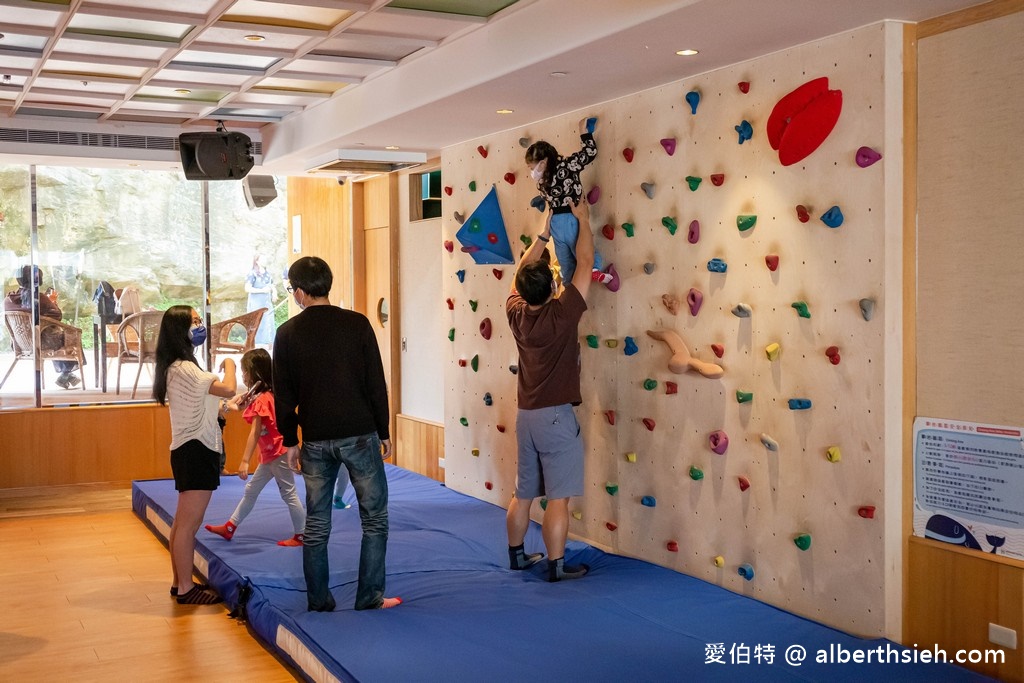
[[584, 249], [536, 249]]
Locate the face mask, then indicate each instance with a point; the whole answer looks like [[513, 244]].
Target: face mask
[[538, 171], [197, 335]]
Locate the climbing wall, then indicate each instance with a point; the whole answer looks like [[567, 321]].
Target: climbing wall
[[776, 515]]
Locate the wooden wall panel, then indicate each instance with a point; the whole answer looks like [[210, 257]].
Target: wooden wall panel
[[326, 209], [419, 445], [956, 593], [54, 446], [377, 197]]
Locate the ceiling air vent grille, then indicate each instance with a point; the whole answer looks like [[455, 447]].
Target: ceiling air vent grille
[[110, 140]]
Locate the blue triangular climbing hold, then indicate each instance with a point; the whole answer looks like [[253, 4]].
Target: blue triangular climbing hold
[[484, 230]]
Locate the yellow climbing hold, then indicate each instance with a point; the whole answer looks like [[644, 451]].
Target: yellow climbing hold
[[611, 343], [631, 456], [773, 350], [476, 452], [719, 561], [833, 454], [577, 514]]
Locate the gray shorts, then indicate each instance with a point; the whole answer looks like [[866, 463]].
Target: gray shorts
[[550, 453]]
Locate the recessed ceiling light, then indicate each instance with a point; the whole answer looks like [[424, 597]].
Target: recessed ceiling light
[[558, 74], [133, 165], [505, 111], [183, 91], [255, 38], [686, 53], [392, 147]]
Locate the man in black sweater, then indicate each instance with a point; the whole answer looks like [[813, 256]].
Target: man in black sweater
[[328, 379]]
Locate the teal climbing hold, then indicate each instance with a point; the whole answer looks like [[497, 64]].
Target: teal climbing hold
[[746, 571], [464, 422], [744, 396], [745, 222], [650, 384], [694, 182], [803, 541], [696, 473], [801, 309], [592, 341], [670, 223], [611, 488], [648, 501], [628, 227]]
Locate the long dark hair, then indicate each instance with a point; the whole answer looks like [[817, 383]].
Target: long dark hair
[[259, 369], [172, 345], [539, 151]]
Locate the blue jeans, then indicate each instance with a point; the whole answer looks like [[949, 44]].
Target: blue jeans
[[361, 456], [565, 230]]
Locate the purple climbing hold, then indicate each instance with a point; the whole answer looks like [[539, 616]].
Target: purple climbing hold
[[694, 298], [867, 156], [594, 195], [669, 144], [693, 236], [718, 441]]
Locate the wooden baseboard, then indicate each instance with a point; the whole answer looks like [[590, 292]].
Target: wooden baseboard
[[419, 446]]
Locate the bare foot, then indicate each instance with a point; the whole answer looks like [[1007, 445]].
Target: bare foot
[[681, 360]]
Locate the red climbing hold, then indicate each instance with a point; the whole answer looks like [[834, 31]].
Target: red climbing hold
[[717, 179], [744, 86], [802, 214], [608, 231], [482, 150], [510, 178], [671, 388], [669, 144], [462, 362], [672, 546], [718, 349], [866, 511], [488, 485], [802, 119], [832, 353], [492, 238], [772, 261], [501, 428], [485, 328], [649, 423], [612, 526], [451, 305], [744, 483], [627, 154], [448, 190], [449, 246], [498, 272], [610, 416]]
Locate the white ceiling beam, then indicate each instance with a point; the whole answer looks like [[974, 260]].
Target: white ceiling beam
[[86, 60], [191, 85], [390, 38], [314, 76], [345, 59], [282, 92], [248, 50], [216, 69], [63, 92], [427, 14], [349, 5], [108, 39], [27, 30], [270, 28], [93, 78], [141, 14]]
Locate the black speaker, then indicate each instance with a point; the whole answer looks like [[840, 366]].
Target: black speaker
[[259, 190], [215, 156]]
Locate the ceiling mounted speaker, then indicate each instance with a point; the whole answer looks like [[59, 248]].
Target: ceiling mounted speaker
[[215, 156], [259, 190]]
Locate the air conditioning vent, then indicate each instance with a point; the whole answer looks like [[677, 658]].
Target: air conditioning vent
[[69, 138], [357, 162]]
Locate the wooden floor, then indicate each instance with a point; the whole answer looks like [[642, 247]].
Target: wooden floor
[[84, 597]]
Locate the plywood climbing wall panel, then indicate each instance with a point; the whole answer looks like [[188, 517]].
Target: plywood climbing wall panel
[[793, 491]]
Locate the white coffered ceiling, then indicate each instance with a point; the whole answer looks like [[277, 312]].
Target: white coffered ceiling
[[417, 74]]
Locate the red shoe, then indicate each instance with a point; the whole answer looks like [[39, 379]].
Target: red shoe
[[226, 530], [292, 542]]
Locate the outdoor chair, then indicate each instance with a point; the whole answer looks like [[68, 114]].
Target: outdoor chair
[[19, 324], [136, 342], [221, 331]]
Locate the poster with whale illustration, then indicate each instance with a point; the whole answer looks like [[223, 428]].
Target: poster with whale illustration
[[968, 479]]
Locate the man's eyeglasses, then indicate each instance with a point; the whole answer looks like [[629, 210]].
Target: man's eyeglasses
[[290, 289]]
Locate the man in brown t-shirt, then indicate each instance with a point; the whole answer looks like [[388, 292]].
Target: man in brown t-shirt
[[550, 459]]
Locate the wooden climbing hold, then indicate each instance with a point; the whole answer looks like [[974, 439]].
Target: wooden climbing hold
[[610, 416], [833, 454], [694, 299], [648, 501], [696, 473], [866, 511], [669, 144], [693, 235], [718, 350], [482, 150], [627, 154], [772, 261], [803, 541], [743, 482], [672, 547], [718, 442], [649, 423], [717, 179], [671, 388], [671, 302]]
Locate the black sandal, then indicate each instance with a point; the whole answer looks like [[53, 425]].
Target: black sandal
[[198, 596], [174, 589]]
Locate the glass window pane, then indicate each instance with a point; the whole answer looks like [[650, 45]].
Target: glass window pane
[[18, 390]]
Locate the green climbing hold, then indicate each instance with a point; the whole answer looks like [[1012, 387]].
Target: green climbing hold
[[475, 363], [670, 223], [650, 384], [592, 341], [464, 422], [745, 223], [543, 503], [628, 227], [693, 182], [451, 334], [526, 240], [474, 225], [803, 541], [472, 186], [744, 396], [473, 303], [801, 308], [611, 488], [696, 473]]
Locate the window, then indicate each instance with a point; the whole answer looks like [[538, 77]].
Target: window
[[425, 195]]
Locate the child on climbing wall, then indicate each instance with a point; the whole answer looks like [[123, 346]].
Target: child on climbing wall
[[558, 179], [258, 406]]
